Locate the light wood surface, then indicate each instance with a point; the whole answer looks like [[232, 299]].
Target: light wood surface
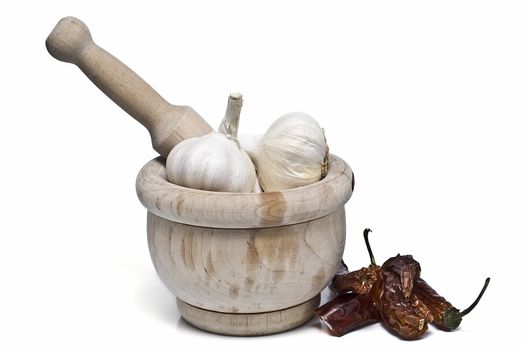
[[70, 41], [247, 270], [249, 324], [243, 210]]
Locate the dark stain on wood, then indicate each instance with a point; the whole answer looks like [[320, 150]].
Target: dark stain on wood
[[187, 257], [179, 205], [182, 248], [271, 208], [252, 259], [234, 291], [281, 249], [249, 283], [209, 267]]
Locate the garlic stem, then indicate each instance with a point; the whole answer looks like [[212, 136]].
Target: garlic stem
[[229, 124]]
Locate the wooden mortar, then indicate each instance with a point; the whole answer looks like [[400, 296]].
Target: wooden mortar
[[246, 263]]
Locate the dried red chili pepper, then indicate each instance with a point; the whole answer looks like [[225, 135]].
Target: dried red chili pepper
[[446, 316], [394, 293], [359, 281], [347, 312], [400, 310]]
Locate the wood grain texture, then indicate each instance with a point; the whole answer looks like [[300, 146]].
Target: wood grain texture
[[249, 324], [243, 210], [235, 260], [70, 41], [247, 270]]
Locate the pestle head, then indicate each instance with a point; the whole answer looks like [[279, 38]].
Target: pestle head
[[68, 39]]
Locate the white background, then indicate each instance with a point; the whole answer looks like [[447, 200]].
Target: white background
[[423, 100]]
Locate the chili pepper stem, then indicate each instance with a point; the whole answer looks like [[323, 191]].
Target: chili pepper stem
[[366, 237], [473, 305], [452, 317]]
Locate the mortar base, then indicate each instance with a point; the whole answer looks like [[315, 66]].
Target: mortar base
[[248, 324]]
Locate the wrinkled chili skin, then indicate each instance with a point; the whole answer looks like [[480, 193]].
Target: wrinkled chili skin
[[347, 312], [359, 281], [406, 268], [421, 309], [437, 305], [400, 310]]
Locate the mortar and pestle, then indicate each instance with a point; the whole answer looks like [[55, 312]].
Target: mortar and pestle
[[238, 263]]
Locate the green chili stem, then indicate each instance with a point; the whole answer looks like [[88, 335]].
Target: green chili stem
[[366, 237], [473, 305]]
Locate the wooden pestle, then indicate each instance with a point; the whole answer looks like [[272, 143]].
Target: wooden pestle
[[70, 41]]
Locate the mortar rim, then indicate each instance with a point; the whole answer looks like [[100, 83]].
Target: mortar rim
[[243, 210]]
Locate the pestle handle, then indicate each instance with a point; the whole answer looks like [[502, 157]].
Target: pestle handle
[[70, 41]]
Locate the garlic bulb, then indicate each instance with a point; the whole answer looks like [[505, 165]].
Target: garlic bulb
[[214, 162], [292, 153]]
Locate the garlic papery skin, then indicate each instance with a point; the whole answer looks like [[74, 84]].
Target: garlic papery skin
[[292, 153], [214, 162]]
